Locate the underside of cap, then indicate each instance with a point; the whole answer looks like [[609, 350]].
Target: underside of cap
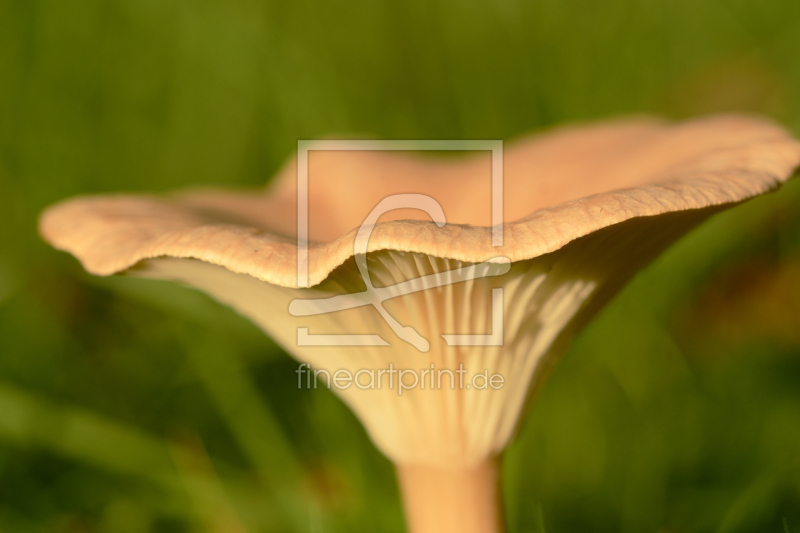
[[447, 414], [558, 187]]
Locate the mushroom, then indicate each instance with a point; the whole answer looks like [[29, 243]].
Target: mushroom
[[585, 208]]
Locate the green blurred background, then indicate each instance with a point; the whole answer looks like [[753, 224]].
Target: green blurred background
[[677, 410]]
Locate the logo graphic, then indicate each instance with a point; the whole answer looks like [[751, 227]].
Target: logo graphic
[[375, 296]]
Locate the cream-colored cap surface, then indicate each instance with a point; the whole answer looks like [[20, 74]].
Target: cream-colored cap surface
[[558, 186]]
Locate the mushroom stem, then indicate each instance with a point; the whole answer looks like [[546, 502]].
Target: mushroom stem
[[441, 500]]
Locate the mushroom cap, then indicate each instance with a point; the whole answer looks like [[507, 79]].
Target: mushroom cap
[[558, 187], [586, 207]]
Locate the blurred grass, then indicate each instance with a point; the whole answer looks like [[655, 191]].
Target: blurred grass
[[677, 410]]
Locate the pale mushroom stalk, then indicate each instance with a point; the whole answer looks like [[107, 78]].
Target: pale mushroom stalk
[[442, 499], [461, 334]]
